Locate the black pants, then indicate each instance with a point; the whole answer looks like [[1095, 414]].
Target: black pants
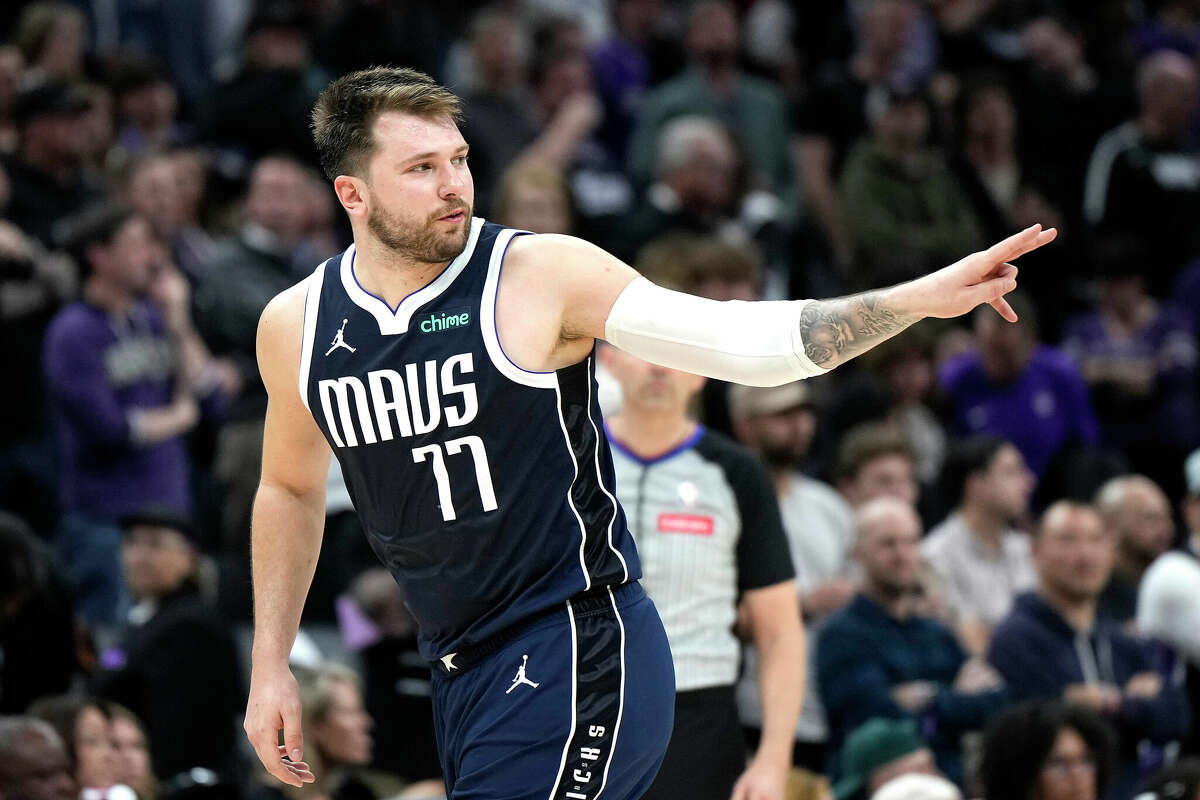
[[707, 754]]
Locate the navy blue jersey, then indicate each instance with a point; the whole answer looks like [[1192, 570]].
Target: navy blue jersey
[[486, 489]]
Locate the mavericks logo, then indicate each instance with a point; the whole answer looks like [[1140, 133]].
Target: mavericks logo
[[444, 321]]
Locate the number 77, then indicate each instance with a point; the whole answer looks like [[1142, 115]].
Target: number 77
[[483, 474]]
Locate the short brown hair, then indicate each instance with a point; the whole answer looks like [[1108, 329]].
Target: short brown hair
[[865, 443], [346, 111], [685, 262]]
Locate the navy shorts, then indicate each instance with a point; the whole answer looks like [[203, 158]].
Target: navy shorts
[[577, 705]]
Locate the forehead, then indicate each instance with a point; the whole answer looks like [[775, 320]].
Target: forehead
[[399, 136]]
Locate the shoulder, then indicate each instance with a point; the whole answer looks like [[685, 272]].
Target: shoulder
[[73, 325], [284, 313], [1016, 545], [937, 541], [959, 370], [1056, 363], [280, 328]]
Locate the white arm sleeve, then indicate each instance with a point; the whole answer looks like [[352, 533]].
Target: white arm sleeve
[[757, 344]]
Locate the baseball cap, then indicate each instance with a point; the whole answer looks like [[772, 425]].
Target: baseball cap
[[759, 401], [48, 99], [917, 787], [873, 744]]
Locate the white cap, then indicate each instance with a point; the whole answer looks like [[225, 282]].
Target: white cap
[[917, 787]]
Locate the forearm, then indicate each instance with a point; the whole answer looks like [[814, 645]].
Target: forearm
[[154, 425], [835, 331], [781, 676], [285, 541], [193, 356]]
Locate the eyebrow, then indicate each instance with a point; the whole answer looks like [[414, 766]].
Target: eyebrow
[[432, 154]]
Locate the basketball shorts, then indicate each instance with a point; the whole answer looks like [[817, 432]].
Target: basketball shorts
[[576, 705]]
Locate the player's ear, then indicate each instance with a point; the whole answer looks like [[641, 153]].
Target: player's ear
[[352, 194]]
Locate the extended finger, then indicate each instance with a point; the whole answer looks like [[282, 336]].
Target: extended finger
[[1021, 243]]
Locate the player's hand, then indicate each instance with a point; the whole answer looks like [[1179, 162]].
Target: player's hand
[[762, 780], [983, 277], [274, 705]]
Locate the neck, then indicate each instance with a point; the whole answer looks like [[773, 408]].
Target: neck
[[897, 605], [721, 77], [984, 525], [1153, 128], [1079, 614], [390, 275], [649, 434], [1131, 566], [988, 153], [868, 67], [44, 161], [782, 478], [107, 296], [1194, 541]]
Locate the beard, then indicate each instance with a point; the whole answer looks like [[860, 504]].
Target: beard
[[420, 242], [779, 456]]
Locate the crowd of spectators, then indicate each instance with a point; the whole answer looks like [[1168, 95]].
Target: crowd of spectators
[[994, 528]]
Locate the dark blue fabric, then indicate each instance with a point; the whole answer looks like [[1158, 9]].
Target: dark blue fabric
[[599, 718], [469, 577], [1034, 649], [862, 654]]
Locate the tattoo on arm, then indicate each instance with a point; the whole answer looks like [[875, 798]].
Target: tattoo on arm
[[835, 331]]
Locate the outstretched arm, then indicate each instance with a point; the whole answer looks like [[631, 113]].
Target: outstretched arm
[[764, 343]]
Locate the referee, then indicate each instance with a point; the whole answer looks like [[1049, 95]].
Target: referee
[[714, 557]]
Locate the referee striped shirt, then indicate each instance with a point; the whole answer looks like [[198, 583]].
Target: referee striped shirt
[[707, 527]]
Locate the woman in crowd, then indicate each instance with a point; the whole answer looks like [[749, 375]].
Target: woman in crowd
[[1046, 751], [83, 725], [133, 752]]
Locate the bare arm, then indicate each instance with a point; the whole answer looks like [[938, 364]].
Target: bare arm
[[288, 520], [558, 294], [773, 618]]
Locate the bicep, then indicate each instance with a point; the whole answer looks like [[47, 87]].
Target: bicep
[[577, 281], [295, 453]]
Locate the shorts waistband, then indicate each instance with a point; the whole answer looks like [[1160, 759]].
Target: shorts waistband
[[586, 603]]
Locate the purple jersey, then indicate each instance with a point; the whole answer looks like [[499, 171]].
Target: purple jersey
[[1046, 407], [99, 368]]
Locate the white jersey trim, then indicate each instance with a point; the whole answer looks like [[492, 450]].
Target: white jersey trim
[[487, 316], [396, 322], [308, 329], [562, 764], [600, 477], [562, 423]]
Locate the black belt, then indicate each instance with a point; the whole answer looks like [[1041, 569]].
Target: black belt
[[586, 602]]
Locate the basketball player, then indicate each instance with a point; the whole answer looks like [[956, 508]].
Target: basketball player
[[466, 425]]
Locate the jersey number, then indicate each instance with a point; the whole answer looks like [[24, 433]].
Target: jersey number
[[483, 474]]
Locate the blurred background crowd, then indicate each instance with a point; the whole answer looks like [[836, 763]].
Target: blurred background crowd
[[995, 527]]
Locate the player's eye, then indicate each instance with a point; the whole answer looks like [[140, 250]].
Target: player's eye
[[460, 160], [422, 168]]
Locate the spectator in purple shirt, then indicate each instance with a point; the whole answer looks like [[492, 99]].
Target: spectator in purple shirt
[[125, 372], [1139, 360], [1023, 391]]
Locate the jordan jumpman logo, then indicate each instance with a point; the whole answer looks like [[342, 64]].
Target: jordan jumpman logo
[[340, 340], [521, 679]]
